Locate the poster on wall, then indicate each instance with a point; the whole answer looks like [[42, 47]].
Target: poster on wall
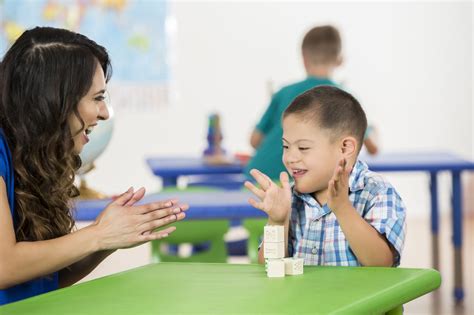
[[133, 31]]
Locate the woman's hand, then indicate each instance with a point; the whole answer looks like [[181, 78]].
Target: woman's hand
[[123, 225]]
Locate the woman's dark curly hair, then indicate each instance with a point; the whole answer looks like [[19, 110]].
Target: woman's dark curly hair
[[43, 76]]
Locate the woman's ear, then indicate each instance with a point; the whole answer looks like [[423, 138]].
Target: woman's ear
[[349, 147]]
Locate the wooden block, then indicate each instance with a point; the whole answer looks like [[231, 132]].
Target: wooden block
[[274, 250], [275, 268], [274, 233], [294, 266]]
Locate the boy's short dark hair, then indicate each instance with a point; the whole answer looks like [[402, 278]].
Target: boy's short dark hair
[[332, 109], [322, 44]]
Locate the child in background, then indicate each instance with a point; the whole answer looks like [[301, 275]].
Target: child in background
[[321, 50]]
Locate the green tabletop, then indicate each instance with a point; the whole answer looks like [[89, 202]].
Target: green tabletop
[[165, 288]]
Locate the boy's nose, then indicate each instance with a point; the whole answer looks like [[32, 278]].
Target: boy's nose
[[292, 158]]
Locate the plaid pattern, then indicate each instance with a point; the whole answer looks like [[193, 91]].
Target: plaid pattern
[[316, 236]]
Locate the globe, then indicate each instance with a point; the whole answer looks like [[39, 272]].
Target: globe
[[98, 141]]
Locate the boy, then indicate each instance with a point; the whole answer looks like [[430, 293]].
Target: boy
[[337, 212], [321, 50]]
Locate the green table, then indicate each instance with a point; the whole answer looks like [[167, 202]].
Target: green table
[[224, 288]]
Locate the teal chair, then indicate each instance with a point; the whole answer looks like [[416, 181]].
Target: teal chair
[[194, 232]]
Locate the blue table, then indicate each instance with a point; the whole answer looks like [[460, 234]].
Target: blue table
[[231, 205], [169, 169], [433, 163]]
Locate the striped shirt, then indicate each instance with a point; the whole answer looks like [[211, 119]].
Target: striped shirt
[[315, 233]]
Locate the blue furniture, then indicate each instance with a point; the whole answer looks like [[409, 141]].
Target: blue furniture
[[433, 163], [220, 181], [230, 205], [170, 168]]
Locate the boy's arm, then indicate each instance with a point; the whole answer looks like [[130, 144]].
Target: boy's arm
[[269, 120], [370, 142], [371, 146], [370, 247], [256, 138]]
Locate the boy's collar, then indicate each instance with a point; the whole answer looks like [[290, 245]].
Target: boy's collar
[[356, 180], [317, 77]]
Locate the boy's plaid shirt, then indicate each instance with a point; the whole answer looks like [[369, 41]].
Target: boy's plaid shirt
[[316, 235]]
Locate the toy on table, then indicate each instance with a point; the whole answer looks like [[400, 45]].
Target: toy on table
[[274, 252], [214, 154], [243, 157]]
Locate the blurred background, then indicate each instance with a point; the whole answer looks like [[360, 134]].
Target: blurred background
[[408, 63]]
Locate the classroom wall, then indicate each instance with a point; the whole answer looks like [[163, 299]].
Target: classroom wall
[[410, 65]]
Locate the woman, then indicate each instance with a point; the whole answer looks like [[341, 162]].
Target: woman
[[52, 85]]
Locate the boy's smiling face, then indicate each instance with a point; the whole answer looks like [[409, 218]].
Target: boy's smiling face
[[309, 155]]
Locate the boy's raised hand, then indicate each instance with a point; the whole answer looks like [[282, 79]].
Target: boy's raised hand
[[338, 187], [274, 200]]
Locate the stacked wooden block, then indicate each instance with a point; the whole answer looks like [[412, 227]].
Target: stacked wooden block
[[274, 253]]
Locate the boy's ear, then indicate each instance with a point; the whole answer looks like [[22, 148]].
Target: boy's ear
[[349, 147], [339, 60], [305, 61]]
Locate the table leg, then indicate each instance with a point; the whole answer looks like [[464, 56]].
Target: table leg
[[457, 235], [170, 181], [434, 219]]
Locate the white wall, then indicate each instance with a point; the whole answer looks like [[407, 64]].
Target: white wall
[[410, 65]]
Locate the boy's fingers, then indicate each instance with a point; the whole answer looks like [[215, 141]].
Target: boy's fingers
[[257, 192], [332, 188], [336, 181], [347, 171], [285, 181], [256, 204], [334, 175], [261, 178]]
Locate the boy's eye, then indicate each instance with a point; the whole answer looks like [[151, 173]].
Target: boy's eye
[[285, 147], [303, 149]]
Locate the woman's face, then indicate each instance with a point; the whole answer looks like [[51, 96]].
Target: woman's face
[[91, 108]]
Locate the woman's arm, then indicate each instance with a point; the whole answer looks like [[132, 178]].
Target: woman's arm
[[117, 227], [75, 272]]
